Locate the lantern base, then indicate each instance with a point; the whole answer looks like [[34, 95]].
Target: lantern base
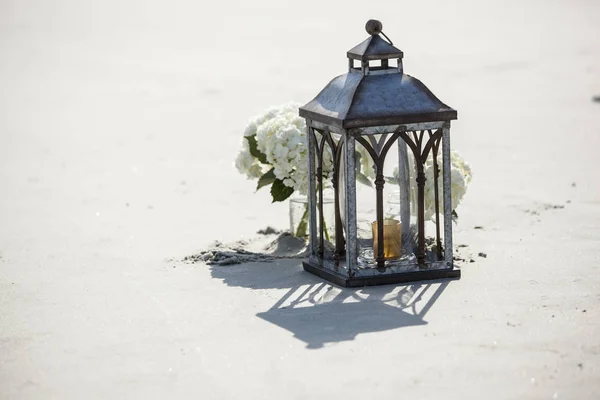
[[384, 279]]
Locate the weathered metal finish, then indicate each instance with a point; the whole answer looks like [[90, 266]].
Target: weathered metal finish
[[340, 241], [374, 48], [404, 184], [379, 182], [336, 151], [380, 70], [350, 206], [373, 130], [446, 166], [320, 195], [321, 126], [378, 99], [436, 174], [425, 126], [353, 100], [381, 279], [420, 151], [420, 198], [378, 151], [392, 267], [400, 267], [378, 144], [374, 27], [312, 191], [360, 98], [364, 68], [378, 130]]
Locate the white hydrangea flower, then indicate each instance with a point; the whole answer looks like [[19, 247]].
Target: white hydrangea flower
[[248, 165], [258, 120], [256, 171], [280, 135], [463, 166], [244, 159], [460, 176]]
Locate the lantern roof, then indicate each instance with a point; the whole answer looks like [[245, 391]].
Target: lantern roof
[[375, 95], [374, 48]]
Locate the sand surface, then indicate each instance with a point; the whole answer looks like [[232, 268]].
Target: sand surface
[[119, 123]]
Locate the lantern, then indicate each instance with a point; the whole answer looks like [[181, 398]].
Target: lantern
[[375, 120]]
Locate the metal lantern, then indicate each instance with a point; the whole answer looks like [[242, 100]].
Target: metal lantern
[[393, 120]]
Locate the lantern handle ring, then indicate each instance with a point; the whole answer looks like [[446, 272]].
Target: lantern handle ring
[[375, 27]]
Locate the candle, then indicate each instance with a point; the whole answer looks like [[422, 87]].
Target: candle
[[392, 239]]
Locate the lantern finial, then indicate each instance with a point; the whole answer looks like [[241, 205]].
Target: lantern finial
[[373, 27]]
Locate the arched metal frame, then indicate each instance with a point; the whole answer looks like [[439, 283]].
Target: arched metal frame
[[336, 152], [421, 146], [421, 151], [378, 151]]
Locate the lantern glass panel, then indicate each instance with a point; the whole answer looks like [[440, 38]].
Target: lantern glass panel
[[326, 147], [371, 152], [400, 234]]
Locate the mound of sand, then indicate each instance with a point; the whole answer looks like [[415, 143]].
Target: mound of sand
[[269, 245]]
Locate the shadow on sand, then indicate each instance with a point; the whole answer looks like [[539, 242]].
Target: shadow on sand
[[318, 313]]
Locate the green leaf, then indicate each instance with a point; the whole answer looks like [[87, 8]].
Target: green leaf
[[392, 180], [254, 152], [279, 191], [454, 217], [357, 163], [326, 231], [362, 178], [301, 231], [266, 179]]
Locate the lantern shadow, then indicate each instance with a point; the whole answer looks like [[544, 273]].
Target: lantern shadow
[[317, 312], [279, 274], [332, 323]]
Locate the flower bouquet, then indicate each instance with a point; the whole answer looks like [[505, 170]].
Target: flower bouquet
[[275, 153]]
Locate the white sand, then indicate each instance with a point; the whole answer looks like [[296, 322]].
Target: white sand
[[119, 121]]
